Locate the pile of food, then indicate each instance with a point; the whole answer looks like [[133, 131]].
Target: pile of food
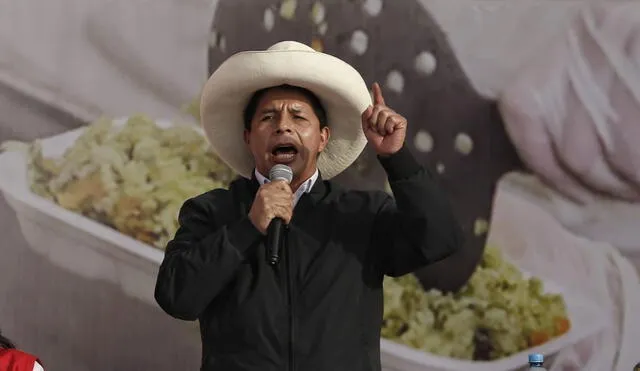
[[499, 312], [134, 178]]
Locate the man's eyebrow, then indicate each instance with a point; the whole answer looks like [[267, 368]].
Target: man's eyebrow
[[296, 109], [292, 109], [269, 110]]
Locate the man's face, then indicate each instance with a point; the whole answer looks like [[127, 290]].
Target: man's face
[[285, 130]]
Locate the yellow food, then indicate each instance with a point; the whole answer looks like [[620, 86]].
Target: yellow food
[[133, 178], [497, 313]]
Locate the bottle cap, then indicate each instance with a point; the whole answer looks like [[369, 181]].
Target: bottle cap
[[536, 358]]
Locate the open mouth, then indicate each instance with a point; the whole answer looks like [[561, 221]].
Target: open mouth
[[284, 153]]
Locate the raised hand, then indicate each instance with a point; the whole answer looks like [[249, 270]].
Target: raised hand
[[384, 128]]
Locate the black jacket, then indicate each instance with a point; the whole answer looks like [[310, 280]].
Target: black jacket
[[320, 309]]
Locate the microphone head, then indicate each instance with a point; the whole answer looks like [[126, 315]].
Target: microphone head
[[281, 172]]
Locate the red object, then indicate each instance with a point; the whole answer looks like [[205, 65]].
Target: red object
[[16, 360]]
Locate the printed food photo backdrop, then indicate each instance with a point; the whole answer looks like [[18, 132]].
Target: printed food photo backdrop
[[526, 113]]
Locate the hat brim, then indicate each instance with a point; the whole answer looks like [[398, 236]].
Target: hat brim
[[340, 88]]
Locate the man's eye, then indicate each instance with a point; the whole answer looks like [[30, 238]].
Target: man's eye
[[299, 117], [265, 118]]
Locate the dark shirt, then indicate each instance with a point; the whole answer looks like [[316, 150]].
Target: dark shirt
[[320, 308]]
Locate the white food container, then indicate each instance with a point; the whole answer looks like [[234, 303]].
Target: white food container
[[95, 251]]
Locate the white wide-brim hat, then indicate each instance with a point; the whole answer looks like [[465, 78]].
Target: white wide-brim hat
[[340, 88]]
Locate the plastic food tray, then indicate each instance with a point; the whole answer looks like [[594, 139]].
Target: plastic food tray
[[94, 251]]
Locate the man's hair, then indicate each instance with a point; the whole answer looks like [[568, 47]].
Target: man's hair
[[6, 343], [252, 106]]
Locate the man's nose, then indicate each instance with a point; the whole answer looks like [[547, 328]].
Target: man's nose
[[283, 124]]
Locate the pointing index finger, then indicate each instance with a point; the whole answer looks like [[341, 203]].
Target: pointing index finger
[[378, 99]]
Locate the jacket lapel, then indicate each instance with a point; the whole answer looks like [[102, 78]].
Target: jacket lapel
[[308, 201]]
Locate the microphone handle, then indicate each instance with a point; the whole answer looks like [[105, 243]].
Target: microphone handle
[[274, 233]]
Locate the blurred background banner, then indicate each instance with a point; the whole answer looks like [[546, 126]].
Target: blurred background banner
[[527, 112], [76, 54]]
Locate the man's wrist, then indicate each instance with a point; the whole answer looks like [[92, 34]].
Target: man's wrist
[[399, 165]]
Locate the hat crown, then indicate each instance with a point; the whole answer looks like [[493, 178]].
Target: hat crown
[[290, 45]]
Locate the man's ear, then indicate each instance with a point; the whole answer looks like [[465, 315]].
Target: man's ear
[[325, 134], [246, 136]]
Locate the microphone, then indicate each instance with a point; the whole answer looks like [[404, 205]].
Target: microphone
[[274, 232]]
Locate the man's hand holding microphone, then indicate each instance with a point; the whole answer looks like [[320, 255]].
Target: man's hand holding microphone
[[272, 209], [273, 200]]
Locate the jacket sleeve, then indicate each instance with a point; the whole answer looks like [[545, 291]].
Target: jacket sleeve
[[418, 228], [201, 259]]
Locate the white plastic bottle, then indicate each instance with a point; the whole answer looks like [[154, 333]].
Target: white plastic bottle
[[536, 362]]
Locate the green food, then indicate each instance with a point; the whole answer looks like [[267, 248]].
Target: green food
[[135, 178], [497, 313]]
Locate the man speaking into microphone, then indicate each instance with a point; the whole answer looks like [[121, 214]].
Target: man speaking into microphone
[[287, 274]]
